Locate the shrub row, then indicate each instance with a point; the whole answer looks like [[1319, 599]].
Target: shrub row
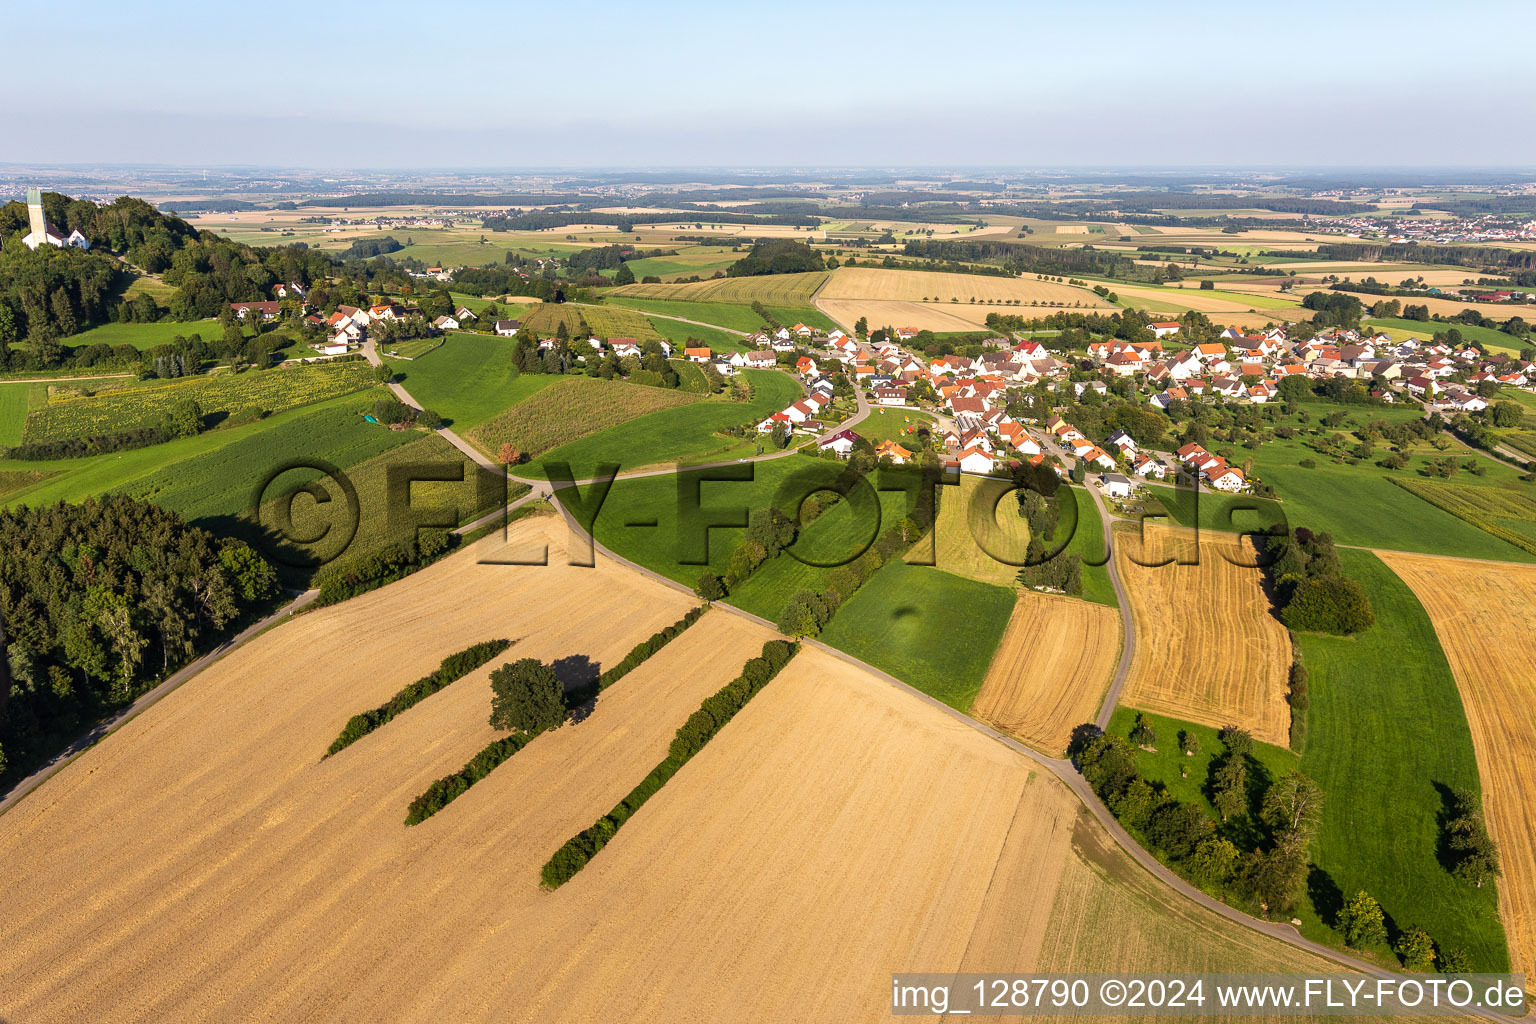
[[445, 790], [701, 727], [1300, 701], [96, 444], [454, 667], [645, 648], [388, 564]]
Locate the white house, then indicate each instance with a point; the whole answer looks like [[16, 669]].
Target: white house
[[841, 442], [507, 328], [1117, 485], [1227, 479], [1163, 328], [974, 460], [446, 323], [763, 360], [1125, 442]]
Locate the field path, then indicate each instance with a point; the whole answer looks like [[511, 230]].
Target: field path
[[679, 319]]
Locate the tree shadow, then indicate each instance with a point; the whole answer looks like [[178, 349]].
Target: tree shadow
[[579, 675], [1327, 899], [1443, 818]]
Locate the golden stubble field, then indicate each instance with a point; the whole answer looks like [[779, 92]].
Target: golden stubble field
[[1208, 648], [202, 864], [1051, 670], [1485, 615], [895, 298]]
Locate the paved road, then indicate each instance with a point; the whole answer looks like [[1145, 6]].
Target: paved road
[[103, 729], [1127, 621]]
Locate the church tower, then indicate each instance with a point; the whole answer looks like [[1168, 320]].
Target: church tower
[[39, 223]]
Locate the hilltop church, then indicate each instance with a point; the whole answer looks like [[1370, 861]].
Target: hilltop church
[[42, 232]]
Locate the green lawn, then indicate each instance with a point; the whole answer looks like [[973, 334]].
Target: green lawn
[[145, 336], [13, 413], [687, 432], [469, 379], [1386, 738], [929, 628], [1079, 521], [892, 425]]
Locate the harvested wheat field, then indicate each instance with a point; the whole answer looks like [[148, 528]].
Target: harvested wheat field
[[1208, 648], [915, 285], [923, 316], [1051, 670], [1485, 616], [978, 524], [203, 863]]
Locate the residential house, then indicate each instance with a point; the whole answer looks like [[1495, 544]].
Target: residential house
[[841, 442], [507, 328], [1117, 485]]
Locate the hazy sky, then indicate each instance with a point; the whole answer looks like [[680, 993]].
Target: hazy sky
[[459, 83]]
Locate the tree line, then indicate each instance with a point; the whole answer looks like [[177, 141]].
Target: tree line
[[1309, 586]]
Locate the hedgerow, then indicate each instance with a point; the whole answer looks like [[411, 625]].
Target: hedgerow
[[702, 726], [453, 667], [445, 790]]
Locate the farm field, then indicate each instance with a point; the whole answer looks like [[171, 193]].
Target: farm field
[[1381, 516], [702, 260], [1050, 671], [1484, 616], [729, 315], [475, 493], [469, 379], [835, 538], [978, 521], [915, 285], [14, 399], [1387, 739], [1171, 300], [624, 523], [580, 320], [1208, 647], [1509, 515], [941, 318], [572, 408], [15, 480], [771, 290], [1495, 340], [931, 629], [112, 409], [686, 432], [329, 868], [220, 483]]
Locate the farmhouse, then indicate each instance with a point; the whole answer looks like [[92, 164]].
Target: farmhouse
[[267, 310], [1163, 328], [698, 355], [507, 328], [762, 360]]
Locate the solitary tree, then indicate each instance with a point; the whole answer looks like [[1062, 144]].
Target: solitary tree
[[527, 696]]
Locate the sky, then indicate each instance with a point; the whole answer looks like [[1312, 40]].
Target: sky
[[466, 84]]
